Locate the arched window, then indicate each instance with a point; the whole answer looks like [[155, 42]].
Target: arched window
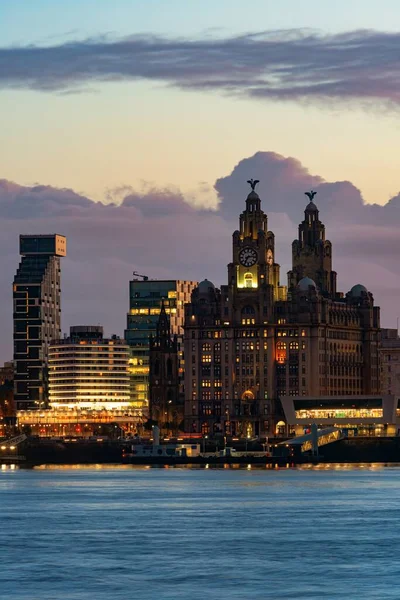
[[248, 280], [294, 346], [206, 347]]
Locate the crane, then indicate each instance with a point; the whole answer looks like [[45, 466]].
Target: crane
[[144, 277]]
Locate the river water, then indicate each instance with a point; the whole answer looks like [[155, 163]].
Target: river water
[[111, 533]]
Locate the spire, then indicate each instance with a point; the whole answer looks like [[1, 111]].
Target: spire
[[163, 330]]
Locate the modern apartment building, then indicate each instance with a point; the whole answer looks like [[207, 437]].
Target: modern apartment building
[[36, 315], [145, 299], [87, 371]]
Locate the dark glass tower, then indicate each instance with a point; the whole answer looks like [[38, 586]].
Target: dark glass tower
[[37, 315]]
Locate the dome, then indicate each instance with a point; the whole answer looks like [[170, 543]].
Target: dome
[[206, 286], [358, 289], [305, 283], [253, 196], [311, 207]]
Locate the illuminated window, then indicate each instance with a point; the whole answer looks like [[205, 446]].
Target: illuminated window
[[248, 280], [206, 358], [281, 352]]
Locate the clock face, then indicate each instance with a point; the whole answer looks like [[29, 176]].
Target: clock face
[[248, 257]]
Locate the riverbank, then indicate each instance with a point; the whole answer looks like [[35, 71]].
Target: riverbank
[[44, 451]]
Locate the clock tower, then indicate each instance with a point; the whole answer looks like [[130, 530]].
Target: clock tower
[[253, 269]]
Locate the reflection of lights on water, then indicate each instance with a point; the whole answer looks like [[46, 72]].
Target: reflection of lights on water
[[11, 467]]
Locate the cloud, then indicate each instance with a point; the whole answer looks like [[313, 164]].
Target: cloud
[[299, 64], [166, 233], [155, 232]]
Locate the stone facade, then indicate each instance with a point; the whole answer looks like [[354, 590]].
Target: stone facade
[[254, 340], [390, 362], [166, 402]]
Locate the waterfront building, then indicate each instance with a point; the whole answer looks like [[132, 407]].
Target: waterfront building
[[376, 415], [166, 403], [88, 371], [390, 362], [88, 386], [36, 315], [254, 341], [7, 407], [145, 300]]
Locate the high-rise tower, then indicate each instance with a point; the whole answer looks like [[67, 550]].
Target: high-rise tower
[[37, 315], [146, 298]]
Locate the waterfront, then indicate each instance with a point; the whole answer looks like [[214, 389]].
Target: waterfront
[[329, 531]]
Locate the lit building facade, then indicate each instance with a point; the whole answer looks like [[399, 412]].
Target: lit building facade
[[36, 316], [88, 388], [146, 297], [390, 362], [255, 341], [89, 371], [376, 415]]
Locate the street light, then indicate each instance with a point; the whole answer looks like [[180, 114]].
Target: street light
[[204, 443]]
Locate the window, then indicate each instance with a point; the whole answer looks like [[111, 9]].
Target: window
[[206, 358], [248, 280], [281, 352]]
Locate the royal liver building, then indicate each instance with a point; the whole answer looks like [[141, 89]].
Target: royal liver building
[[254, 341]]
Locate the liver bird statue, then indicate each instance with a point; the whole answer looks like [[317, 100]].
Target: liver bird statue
[[311, 195], [253, 183]]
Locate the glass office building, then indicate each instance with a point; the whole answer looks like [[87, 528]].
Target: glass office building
[[146, 297]]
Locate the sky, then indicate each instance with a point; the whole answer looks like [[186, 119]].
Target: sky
[[132, 127]]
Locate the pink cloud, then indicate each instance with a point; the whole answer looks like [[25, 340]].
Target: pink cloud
[[159, 233]]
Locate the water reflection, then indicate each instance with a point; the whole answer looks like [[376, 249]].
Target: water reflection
[[327, 531]]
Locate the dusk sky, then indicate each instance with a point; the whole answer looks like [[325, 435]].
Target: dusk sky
[[162, 110]]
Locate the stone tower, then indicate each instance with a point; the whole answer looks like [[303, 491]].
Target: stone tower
[[165, 404], [312, 253]]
